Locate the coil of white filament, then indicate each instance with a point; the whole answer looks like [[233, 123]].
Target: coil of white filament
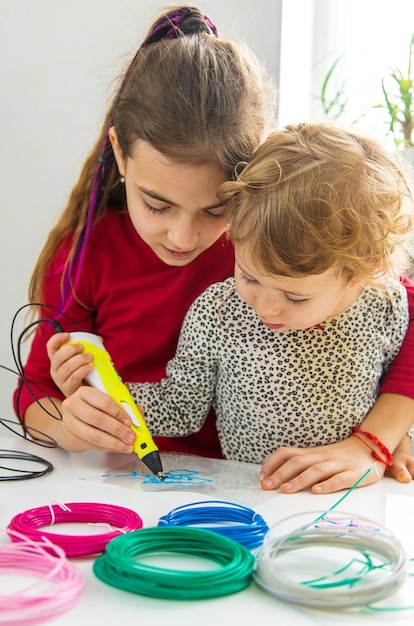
[[335, 561]]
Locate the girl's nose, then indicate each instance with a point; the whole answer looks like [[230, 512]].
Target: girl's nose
[[183, 235], [267, 307]]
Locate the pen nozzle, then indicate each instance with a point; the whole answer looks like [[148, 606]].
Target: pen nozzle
[[153, 462]]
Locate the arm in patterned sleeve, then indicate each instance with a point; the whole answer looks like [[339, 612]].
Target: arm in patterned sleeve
[[179, 404]]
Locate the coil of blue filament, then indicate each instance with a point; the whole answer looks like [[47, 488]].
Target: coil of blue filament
[[249, 528]]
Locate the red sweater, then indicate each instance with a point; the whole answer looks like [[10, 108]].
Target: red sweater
[[137, 304], [400, 378]]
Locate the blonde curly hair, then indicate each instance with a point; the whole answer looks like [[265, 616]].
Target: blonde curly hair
[[317, 196]]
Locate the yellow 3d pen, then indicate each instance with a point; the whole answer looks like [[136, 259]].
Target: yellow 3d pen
[[105, 377]]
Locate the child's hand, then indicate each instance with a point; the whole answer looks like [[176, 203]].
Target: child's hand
[[325, 469], [402, 468], [92, 420], [68, 364]]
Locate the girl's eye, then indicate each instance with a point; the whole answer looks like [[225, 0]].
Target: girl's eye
[[153, 209], [296, 302], [247, 280], [159, 210], [215, 215]]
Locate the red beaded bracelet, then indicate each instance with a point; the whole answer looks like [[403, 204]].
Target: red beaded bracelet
[[387, 454]]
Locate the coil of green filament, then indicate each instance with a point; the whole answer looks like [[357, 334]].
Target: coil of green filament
[[120, 565]]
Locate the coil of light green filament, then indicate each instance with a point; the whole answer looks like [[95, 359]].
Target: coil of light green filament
[[120, 565]]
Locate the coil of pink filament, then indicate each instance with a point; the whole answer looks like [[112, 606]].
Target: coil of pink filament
[[119, 519]]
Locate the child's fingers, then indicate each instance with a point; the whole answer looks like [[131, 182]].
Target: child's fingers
[[325, 468], [410, 466], [276, 460], [68, 359], [95, 417], [72, 373], [402, 468], [55, 342], [283, 468], [68, 365], [345, 480], [92, 420]]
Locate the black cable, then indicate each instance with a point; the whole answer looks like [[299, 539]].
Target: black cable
[[23, 435], [24, 381], [23, 474], [20, 473], [17, 358]]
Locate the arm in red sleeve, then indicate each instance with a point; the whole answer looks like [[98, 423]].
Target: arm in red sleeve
[[400, 378]]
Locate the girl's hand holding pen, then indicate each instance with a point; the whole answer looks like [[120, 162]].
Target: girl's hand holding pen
[[325, 469], [68, 363], [91, 420], [97, 420]]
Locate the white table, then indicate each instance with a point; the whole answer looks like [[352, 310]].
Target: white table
[[77, 478]]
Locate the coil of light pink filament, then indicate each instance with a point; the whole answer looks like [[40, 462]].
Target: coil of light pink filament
[[58, 586]]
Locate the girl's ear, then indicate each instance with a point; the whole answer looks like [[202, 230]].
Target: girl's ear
[[119, 158], [355, 280]]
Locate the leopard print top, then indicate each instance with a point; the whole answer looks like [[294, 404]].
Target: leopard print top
[[269, 389]]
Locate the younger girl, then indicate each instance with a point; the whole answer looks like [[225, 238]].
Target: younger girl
[[291, 352]]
